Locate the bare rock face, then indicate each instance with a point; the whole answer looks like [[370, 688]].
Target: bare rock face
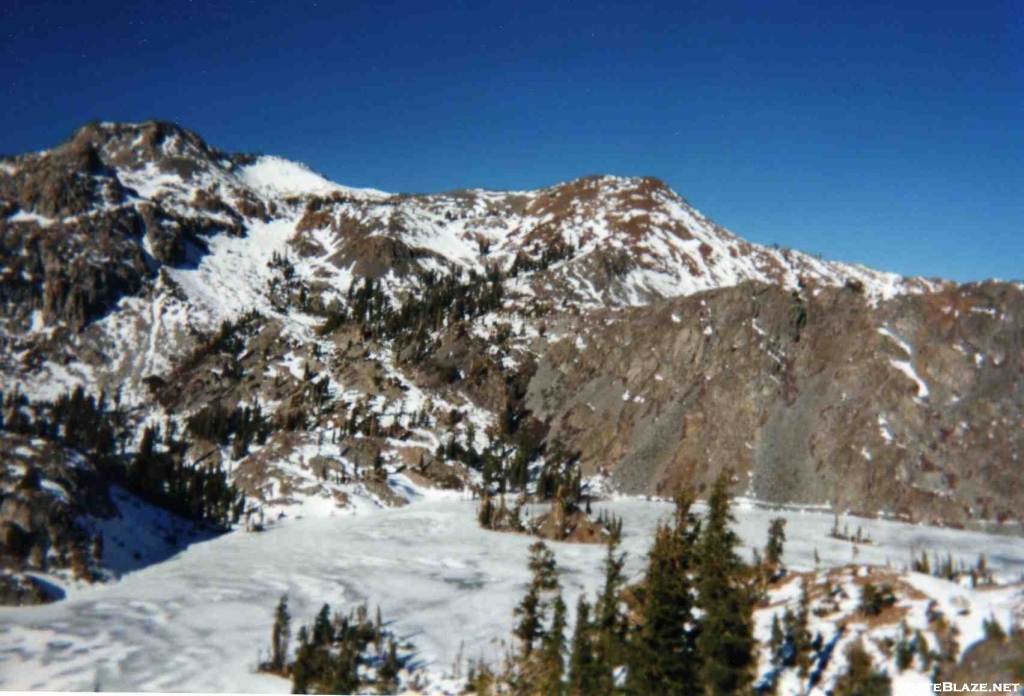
[[74, 238], [822, 398], [71, 271]]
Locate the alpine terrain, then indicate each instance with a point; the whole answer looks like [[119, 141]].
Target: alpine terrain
[[197, 344]]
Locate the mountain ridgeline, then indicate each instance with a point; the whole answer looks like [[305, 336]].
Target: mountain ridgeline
[[297, 337]]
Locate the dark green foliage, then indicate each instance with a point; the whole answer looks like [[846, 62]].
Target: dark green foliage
[[861, 677], [284, 288], [198, 491], [776, 542], [218, 423], [609, 620], [583, 675], [532, 610], [229, 339], [776, 642], [874, 599], [993, 629], [668, 649], [280, 635], [540, 665], [83, 422], [552, 253], [798, 636], [330, 654], [905, 648], [945, 568], [726, 644], [552, 662], [664, 656], [561, 471], [439, 302], [323, 633], [157, 472], [387, 675]]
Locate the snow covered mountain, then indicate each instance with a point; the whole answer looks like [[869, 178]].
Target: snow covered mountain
[[120, 209], [126, 248], [252, 343]]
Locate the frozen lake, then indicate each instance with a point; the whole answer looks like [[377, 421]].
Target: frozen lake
[[199, 621]]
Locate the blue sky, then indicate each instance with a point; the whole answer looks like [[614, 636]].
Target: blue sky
[[884, 133]]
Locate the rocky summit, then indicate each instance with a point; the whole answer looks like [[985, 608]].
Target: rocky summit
[[177, 318]]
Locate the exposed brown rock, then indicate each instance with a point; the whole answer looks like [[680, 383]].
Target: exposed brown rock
[[800, 399]]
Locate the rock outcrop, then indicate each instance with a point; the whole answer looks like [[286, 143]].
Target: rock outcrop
[[912, 407]]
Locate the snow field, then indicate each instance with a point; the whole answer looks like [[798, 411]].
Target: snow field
[[199, 620]]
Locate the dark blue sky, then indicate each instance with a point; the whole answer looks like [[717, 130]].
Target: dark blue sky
[[866, 132]]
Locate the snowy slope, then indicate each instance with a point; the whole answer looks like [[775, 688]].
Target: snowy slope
[[275, 177], [632, 241], [199, 621]]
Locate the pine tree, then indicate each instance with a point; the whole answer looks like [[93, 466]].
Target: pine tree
[[610, 624], [582, 677], [773, 549], [532, 610], [323, 634], [280, 636], [664, 659], [861, 677], [776, 642], [486, 514], [301, 666], [725, 645], [904, 650], [801, 635], [552, 663], [387, 678], [344, 677]]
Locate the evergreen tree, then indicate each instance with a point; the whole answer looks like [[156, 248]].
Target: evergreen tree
[[532, 610], [280, 636], [861, 677], [387, 678], [323, 634], [486, 514], [582, 677], [344, 677], [610, 624], [725, 645], [776, 642], [904, 650], [776, 541], [664, 658], [301, 666], [552, 663], [800, 638]]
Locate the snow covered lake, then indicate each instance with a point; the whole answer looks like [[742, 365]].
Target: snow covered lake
[[201, 620]]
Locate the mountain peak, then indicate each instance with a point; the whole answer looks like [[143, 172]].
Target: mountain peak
[[129, 248]]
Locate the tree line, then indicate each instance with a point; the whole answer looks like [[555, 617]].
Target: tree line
[[157, 471], [686, 628], [339, 654]]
